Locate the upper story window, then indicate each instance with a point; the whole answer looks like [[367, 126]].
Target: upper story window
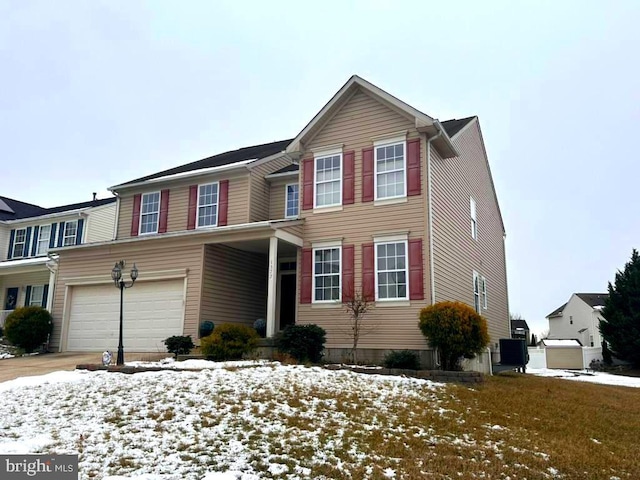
[[44, 237], [474, 221], [326, 274], [208, 205], [20, 243], [291, 209], [391, 271], [483, 283], [70, 233], [390, 170], [149, 213], [328, 180], [476, 292]]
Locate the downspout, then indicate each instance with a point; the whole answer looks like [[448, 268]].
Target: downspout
[[431, 266], [115, 223]]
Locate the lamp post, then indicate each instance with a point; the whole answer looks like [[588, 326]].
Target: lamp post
[[119, 282]]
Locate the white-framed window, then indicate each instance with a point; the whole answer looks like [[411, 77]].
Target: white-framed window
[[327, 261], [390, 165], [476, 292], [208, 205], [483, 284], [392, 275], [474, 220], [149, 213], [44, 236], [37, 294], [70, 233], [19, 243], [292, 200], [328, 180]]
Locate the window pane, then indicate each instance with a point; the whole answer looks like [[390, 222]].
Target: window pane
[[326, 269], [390, 169], [391, 270]]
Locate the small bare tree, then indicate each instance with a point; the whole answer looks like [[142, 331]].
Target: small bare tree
[[357, 306]]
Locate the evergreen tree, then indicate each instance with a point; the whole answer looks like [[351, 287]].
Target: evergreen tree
[[621, 325], [534, 340]]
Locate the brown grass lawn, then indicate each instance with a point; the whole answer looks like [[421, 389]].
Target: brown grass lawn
[[588, 431]]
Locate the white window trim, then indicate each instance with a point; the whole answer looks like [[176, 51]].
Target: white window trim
[[65, 236], [389, 240], [286, 200], [483, 292], [387, 143], [316, 157], [474, 218], [198, 206], [39, 239], [325, 246], [476, 293], [24, 244], [39, 304], [150, 213]]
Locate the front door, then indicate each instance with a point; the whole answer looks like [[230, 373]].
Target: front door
[[11, 299], [287, 299]]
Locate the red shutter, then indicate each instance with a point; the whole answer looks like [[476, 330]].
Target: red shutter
[[367, 174], [368, 271], [305, 275], [193, 206], [416, 277], [223, 206], [348, 177], [347, 272], [414, 184], [307, 184], [164, 210], [135, 219]]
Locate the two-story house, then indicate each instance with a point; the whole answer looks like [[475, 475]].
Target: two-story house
[[372, 196], [579, 319], [28, 232]]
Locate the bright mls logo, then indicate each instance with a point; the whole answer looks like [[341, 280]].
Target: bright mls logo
[[52, 467]]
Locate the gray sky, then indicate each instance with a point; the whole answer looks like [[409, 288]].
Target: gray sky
[[95, 93]]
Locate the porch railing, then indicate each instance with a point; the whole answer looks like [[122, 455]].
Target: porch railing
[[3, 316]]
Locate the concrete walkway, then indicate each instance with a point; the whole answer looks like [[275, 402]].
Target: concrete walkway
[[11, 368]]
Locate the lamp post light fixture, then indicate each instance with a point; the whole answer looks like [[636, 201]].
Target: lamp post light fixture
[[119, 282]]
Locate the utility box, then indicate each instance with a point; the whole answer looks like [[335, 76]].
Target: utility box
[[514, 352]]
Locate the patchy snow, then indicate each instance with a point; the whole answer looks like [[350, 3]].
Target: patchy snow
[[170, 363], [587, 376]]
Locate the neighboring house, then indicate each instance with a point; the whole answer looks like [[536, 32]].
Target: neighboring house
[[520, 329], [579, 319], [371, 196], [27, 234]]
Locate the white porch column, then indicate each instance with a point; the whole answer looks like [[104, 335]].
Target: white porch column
[[53, 271], [272, 286]]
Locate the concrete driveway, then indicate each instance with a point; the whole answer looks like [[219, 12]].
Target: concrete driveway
[[11, 368]]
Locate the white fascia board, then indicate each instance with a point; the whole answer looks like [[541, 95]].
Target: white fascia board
[[66, 213], [23, 263], [189, 174]]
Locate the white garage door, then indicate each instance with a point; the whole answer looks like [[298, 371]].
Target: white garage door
[[153, 311]]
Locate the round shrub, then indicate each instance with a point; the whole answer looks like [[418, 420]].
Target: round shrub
[[28, 327], [260, 326], [179, 345], [456, 330], [229, 341], [305, 343], [402, 359]]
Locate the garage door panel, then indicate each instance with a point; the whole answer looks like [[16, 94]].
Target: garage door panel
[[152, 312]]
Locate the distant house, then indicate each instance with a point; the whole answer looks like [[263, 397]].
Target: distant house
[[520, 329], [578, 319]]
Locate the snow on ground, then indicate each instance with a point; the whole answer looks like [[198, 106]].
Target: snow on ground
[[223, 423], [587, 376]]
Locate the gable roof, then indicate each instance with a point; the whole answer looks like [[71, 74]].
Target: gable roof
[[558, 310], [453, 126], [23, 210], [593, 299], [423, 122], [519, 323], [254, 152]]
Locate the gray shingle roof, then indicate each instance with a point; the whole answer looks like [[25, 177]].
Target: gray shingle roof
[[22, 210], [455, 125], [593, 299], [519, 323]]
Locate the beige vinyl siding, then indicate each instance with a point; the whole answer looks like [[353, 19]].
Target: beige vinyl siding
[[569, 357], [100, 223], [5, 233], [278, 197], [234, 287], [456, 253], [297, 230], [396, 327], [162, 255], [21, 280], [177, 216], [261, 189]]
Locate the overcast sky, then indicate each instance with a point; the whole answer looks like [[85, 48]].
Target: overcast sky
[[96, 93]]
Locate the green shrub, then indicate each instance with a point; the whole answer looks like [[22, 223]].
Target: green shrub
[[179, 345], [305, 343], [28, 327], [456, 330], [402, 359], [229, 341]]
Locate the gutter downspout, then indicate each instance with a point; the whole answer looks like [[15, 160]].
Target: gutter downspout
[[115, 222], [429, 183]]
